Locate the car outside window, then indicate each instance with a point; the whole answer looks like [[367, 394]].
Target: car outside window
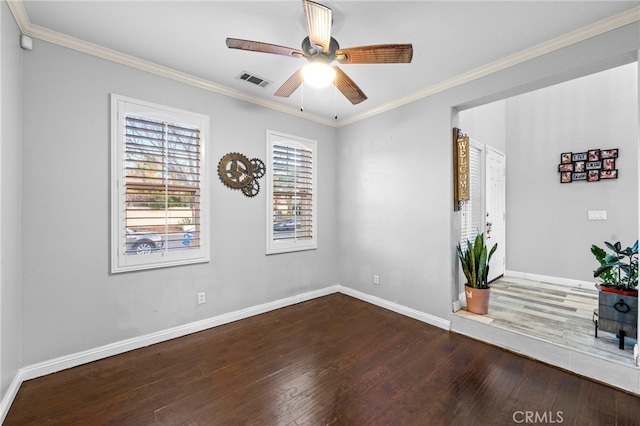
[[291, 193], [159, 198]]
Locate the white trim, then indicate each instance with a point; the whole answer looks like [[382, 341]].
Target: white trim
[[597, 28], [567, 282], [582, 363], [20, 15], [73, 360], [10, 395], [79, 358], [291, 245], [120, 261], [64, 40], [581, 34], [400, 309]]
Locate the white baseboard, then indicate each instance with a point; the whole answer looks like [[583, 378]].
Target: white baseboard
[[9, 396], [551, 280], [79, 358], [403, 310]]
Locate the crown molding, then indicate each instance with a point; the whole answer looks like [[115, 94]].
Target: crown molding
[[19, 14], [64, 40], [597, 28]]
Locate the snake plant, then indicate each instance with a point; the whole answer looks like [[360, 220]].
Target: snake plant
[[475, 261]]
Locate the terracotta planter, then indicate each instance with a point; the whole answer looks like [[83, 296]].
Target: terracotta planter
[[632, 293], [477, 299]]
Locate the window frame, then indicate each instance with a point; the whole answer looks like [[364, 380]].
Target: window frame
[[120, 261], [275, 246]]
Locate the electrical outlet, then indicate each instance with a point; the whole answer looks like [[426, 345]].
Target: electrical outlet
[[597, 215], [201, 298], [376, 280]]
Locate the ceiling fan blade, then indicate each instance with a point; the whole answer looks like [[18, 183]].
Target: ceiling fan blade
[[290, 86], [348, 88], [376, 54], [318, 23], [258, 46]]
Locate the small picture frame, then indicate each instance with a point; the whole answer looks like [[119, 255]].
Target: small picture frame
[[609, 174], [579, 156], [593, 154], [579, 176], [592, 165], [565, 177], [579, 167], [609, 153], [565, 167], [593, 175], [565, 158], [608, 164]]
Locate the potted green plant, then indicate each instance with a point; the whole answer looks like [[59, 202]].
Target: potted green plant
[[618, 270], [618, 293], [475, 260]]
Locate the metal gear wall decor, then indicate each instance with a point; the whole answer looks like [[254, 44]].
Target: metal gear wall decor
[[259, 168], [236, 171], [252, 189]]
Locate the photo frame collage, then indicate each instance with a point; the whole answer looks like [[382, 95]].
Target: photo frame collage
[[591, 166]]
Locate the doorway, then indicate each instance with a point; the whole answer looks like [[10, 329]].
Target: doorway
[[485, 211], [549, 232]]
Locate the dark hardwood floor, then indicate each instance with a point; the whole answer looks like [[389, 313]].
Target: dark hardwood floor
[[333, 360]]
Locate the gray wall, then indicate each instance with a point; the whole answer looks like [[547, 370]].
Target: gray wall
[[486, 124], [384, 198], [394, 206], [597, 111], [395, 214], [70, 302], [547, 228], [10, 197]]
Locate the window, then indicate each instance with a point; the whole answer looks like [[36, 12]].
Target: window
[[291, 193], [159, 201], [472, 211]]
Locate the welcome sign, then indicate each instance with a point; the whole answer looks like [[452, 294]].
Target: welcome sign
[[461, 188]]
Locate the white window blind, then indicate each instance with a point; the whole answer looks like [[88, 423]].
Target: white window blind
[[472, 211], [158, 191], [291, 201]]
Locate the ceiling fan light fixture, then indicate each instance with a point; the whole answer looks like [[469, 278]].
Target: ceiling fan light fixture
[[320, 49], [318, 74]]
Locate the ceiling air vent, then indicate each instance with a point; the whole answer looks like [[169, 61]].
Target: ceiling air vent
[[251, 78]]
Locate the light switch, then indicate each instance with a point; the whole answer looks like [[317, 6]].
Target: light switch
[[597, 215]]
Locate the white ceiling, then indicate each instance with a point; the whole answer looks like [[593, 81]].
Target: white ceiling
[[450, 39]]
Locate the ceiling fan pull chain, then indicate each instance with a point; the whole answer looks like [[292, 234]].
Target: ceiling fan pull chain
[[302, 97]]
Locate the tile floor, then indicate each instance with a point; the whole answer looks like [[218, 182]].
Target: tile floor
[[555, 313]]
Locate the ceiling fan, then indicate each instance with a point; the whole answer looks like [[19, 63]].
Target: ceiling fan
[[320, 49]]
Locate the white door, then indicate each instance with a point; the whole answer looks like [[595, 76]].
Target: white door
[[495, 225]]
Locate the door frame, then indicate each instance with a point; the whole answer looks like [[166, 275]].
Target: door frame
[[484, 152], [502, 241]]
